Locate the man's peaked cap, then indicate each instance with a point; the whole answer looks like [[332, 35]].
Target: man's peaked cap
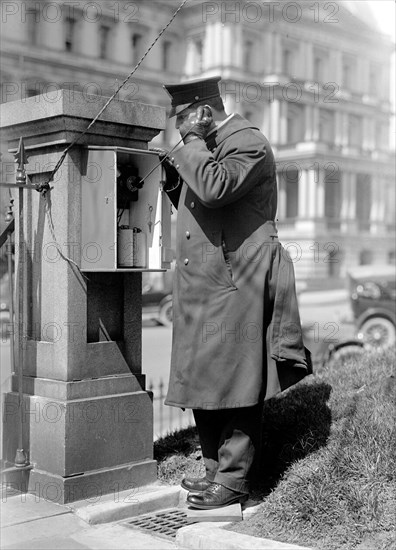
[[186, 94]]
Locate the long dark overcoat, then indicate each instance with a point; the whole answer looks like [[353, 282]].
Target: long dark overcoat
[[236, 329]]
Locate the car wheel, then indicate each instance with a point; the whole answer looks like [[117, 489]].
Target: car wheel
[[378, 332], [343, 352], [166, 313]]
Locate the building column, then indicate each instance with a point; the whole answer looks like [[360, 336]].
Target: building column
[[277, 53], [308, 54], [303, 190], [52, 34], [337, 67], [320, 193], [368, 141], [348, 206], [275, 121], [338, 123], [190, 56], [308, 121], [89, 39], [238, 62], [344, 129], [283, 123], [209, 46], [315, 123], [281, 197], [227, 45], [122, 44]]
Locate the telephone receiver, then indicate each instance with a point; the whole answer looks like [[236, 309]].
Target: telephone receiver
[[206, 115]]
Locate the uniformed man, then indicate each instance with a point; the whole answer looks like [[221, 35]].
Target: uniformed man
[[236, 328]]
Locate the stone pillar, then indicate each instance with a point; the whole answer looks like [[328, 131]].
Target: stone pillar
[[315, 123], [283, 122], [308, 122], [348, 205], [308, 51], [89, 38], [303, 195], [190, 68], [275, 121], [277, 53], [52, 32], [87, 417], [122, 44], [377, 211], [238, 62], [208, 48], [227, 46]]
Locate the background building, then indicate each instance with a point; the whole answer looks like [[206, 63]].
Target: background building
[[314, 77]]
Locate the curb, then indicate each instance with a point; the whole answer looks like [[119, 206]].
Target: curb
[[128, 504], [204, 536]]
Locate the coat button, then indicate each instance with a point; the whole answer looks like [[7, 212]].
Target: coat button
[[177, 166], [186, 261], [192, 204], [188, 234]]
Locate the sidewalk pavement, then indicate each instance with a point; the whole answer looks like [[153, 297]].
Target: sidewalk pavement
[[29, 522]]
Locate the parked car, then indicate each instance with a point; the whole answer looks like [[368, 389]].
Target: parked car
[[373, 301], [157, 297]]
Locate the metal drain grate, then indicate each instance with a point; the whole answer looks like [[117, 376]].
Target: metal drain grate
[[164, 523]]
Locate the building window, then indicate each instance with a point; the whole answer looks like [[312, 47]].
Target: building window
[[104, 37], [355, 131], [348, 72], [32, 21], [137, 45], [70, 34], [374, 80], [291, 178], [326, 126], [317, 72], [248, 53], [166, 55], [295, 123], [287, 60], [365, 257], [381, 135]]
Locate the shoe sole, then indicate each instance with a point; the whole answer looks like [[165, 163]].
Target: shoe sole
[[241, 500]]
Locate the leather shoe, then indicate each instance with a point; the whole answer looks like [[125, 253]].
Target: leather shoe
[[216, 496], [196, 484]]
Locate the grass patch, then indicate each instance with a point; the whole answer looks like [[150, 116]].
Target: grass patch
[[327, 468]]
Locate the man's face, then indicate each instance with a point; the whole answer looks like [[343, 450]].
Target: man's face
[[186, 114]]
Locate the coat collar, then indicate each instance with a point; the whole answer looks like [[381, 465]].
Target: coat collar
[[231, 126]]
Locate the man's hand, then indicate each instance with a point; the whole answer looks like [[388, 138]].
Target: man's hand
[[172, 175], [197, 125]]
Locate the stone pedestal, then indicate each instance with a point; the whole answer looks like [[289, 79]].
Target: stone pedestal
[[87, 418]]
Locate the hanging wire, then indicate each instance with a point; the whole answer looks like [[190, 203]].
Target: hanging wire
[[44, 187]]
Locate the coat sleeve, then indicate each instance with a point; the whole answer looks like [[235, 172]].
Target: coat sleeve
[[174, 192], [220, 182]]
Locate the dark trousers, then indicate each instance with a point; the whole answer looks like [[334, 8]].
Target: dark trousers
[[230, 439]]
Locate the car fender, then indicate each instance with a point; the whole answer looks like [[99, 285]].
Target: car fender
[[375, 312], [165, 300]]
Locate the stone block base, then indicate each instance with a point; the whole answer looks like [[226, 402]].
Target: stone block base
[[121, 482]]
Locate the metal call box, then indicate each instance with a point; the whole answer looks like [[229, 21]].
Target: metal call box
[[126, 216]]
